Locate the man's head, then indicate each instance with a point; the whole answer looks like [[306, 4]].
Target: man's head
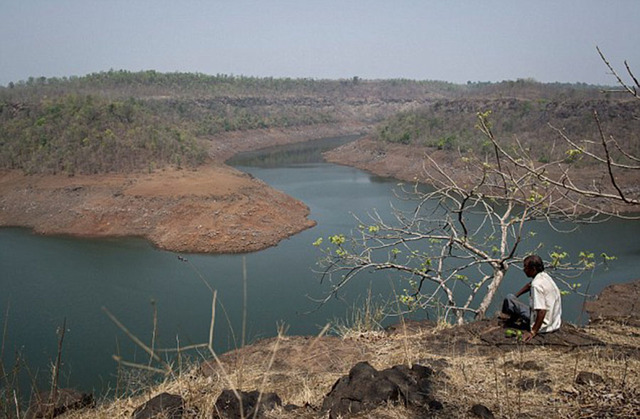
[[533, 265]]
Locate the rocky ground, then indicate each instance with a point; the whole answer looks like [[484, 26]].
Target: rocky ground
[[423, 370], [212, 209]]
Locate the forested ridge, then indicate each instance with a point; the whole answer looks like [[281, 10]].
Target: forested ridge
[[120, 121], [536, 124]]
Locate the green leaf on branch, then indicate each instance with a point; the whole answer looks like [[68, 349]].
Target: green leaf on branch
[[337, 239], [587, 259], [557, 258], [462, 278], [608, 258]]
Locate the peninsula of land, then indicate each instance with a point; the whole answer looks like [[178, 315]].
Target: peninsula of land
[[142, 154]]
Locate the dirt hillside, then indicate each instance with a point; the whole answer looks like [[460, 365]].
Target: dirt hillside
[[213, 209]]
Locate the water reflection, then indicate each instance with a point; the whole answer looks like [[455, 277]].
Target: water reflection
[[290, 154]]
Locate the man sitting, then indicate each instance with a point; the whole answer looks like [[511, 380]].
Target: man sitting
[[544, 312]]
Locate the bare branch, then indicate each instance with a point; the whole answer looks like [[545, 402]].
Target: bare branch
[[608, 158], [633, 77], [456, 245], [621, 82]]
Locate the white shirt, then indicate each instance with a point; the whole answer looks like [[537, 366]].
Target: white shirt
[[545, 295]]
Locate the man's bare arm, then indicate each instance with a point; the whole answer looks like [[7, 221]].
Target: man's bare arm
[[524, 289], [537, 325]]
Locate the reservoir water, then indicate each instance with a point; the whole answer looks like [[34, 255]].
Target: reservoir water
[[47, 280]]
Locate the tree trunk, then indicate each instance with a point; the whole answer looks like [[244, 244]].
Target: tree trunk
[[498, 276]]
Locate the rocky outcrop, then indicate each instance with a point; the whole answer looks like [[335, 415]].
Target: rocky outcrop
[[481, 411], [44, 405], [241, 404], [618, 302], [588, 378], [365, 388], [164, 405]]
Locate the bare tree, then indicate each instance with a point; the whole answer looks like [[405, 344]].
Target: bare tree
[[465, 232], [456, 246], [605, 192]]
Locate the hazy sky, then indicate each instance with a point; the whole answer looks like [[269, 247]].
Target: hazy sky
[[477, 40]]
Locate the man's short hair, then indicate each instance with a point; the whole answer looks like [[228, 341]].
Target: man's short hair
[[535, 262]]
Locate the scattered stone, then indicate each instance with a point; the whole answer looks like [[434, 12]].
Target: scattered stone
[[290, 407], [228, 406], [66, 399], [527, 384], [435, 405], [538, 384], [481, 411], [588, 378], [531, 366], [366, 388], [164, 405]]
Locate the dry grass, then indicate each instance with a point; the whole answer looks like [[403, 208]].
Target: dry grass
[[285, 365]]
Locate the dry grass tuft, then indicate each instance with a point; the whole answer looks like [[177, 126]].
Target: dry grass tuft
[[522, 381]]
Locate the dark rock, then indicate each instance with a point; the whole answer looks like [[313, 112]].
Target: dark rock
[[435, 405], [531, 366], [366, 388], [66, 399], [546, 389], [588, 378], [164, 405], [527, 384], [539, 384], [361, 371], [290, 407], [509, 364], [481, 411], [228, 404]]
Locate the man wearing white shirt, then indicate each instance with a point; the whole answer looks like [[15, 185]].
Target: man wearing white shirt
[[544, 312]]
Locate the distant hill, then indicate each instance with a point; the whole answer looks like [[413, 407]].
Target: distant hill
[[450, 124], [120, 121]]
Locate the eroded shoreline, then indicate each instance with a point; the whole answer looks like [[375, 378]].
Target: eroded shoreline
[[408, 163], [212, 209]]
